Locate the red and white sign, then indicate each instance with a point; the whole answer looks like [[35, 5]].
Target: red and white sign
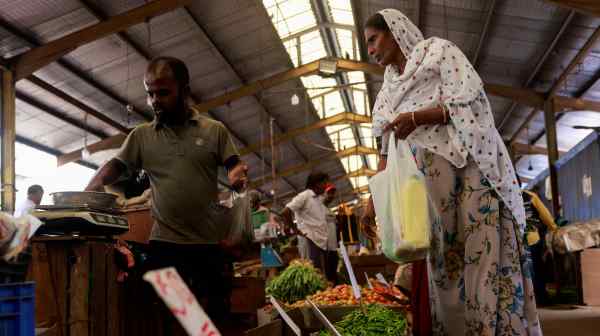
[[182, 303]]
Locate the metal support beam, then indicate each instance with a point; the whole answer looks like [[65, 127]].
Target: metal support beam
[[484, 32], [340, 118], [575, 104], [235, 73], [587, 7], [589, 85], [550, 122], [116, 141], [59, 115], [323, 15], [8, 120], [50, 150], [362, 47], [77, 103], [112, 142], [524, 149], [356, 150], [360, 190], [319, 26], [95, 10], [360, 172], [523, 96], [34, 59], [72, 69], [357, 173], [581, 55], [539, 65]]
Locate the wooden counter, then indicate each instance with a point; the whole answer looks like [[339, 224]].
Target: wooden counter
[[77, 292]]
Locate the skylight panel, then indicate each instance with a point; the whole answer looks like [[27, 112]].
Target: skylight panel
[[341, 11], [311, 47], [333, 104]]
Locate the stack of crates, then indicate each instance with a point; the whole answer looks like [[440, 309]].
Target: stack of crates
[[17, 298]]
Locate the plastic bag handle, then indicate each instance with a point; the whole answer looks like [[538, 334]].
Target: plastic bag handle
[[400, 153]]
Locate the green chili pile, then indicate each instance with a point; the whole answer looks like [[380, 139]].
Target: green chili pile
[[376, 320]]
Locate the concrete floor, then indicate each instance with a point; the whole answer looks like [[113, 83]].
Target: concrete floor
[[570, 320]]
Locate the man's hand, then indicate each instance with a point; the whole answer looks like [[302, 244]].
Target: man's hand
[[106, 175], [238, 176], [94, 186]]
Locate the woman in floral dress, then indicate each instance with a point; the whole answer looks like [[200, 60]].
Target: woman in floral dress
[[478, 270]]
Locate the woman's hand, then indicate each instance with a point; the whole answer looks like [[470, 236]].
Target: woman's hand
[[402, 126]]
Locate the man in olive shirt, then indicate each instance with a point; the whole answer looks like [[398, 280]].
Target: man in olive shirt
[[181, 151]]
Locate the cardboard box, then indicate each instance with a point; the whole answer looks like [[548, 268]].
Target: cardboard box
[[590, 276]]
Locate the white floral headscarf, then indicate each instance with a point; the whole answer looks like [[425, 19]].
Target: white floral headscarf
[[437, 72]]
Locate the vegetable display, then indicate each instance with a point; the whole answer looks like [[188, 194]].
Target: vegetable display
[[296, 282], [374, 320], [342, 295]]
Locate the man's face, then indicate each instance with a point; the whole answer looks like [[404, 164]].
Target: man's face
[[329, 196], [320, 188], [37, 198], [164, 95]]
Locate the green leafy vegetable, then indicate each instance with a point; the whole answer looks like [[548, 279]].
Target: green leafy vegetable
[[296, 282]]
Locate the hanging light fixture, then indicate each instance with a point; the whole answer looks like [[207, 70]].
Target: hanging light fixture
[[327, 68]]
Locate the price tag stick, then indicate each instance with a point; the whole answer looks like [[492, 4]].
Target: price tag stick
[[355, 286], [381, 279], [181, 302], [368, 281], [285, 316], [328, 325]]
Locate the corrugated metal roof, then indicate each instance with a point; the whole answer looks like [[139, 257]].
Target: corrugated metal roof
[[248, 48]]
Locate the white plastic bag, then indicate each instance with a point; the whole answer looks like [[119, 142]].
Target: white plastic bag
[[403, 208]]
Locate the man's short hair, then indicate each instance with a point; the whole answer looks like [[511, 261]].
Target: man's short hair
[[177, 66], [315, 178], [35, 189]]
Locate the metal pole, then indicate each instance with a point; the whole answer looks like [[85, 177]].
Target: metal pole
[[273, 162], [550, 121], [7, 120]]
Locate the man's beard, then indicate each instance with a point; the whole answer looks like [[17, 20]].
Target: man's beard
[[169, 117]]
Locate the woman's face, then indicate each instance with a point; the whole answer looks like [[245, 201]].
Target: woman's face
[[382, 47]]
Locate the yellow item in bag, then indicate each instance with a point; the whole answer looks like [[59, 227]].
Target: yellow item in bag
[[415, 213]]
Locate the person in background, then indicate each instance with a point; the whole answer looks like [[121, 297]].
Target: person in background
[[35, 193], [310, 213], [477, 269], [539, 222], [331, 254], [264, 221], [181, 150]]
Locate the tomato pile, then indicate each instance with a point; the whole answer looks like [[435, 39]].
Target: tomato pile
[[342, 295]]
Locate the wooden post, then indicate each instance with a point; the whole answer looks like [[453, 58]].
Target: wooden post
[[7, 126], [551, 140]]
